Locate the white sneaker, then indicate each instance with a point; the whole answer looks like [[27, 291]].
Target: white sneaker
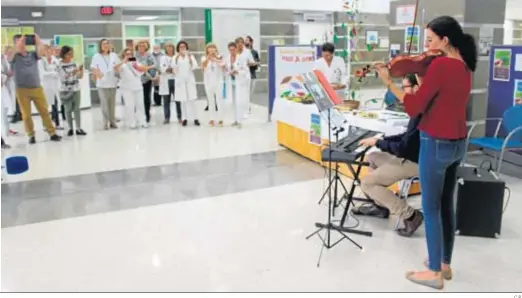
[[133, 126], [145, 125]]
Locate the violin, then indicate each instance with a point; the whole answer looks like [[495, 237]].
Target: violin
[[404, 64]]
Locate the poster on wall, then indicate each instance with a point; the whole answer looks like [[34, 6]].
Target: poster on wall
[[485, 41], [518, 62], [405, 14], [411, 38], [92, 49], [75, 41], [395, 49], [291, 62], [285, 67], [314, 134], [502, 65], [372, 37], [517, 93]]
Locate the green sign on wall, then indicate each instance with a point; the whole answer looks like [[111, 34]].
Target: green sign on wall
[[208, 25]]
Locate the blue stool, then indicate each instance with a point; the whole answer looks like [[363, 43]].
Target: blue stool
[[16, 165]]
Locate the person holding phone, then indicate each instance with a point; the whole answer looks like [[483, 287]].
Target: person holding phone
[[245, 57], [167, 82], [102, 69], [213, 78], [237, 82], [146, 59], [29, 86], [70, 76], [130, 72], [184, 65]]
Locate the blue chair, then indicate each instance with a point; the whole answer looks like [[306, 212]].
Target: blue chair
[[512, 123]]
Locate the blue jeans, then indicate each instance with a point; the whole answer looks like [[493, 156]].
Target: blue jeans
[[438, 163]]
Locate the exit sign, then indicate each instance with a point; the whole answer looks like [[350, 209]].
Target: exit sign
[[106, 10]]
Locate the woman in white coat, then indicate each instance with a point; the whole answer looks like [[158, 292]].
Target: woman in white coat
[[184, 64], [103, 72], [211, 64], [166, 82], [130, 72], [237, 82], [6, 103], [51, 82]]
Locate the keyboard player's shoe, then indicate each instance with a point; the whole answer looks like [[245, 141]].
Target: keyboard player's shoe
[[371, 210]]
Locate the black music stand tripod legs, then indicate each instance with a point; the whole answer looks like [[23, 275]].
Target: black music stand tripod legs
[[334, 182], [326, 240]]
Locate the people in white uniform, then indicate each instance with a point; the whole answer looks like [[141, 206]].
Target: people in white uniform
[[184, 65], [333, 68], [8, 93], [51, 82], [130, 73], [211, 64], [246, 55], [5, 104], [166, 82], [103, 72], [237, 88], [13, 107]]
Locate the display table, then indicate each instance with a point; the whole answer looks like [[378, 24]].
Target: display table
[[297, 124]]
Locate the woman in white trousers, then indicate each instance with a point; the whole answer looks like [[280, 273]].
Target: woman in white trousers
[[237, 83], [131, 89], [185, 91], [48, 67], [211, 64]]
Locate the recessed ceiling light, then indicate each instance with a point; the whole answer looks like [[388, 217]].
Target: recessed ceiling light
[[146, 18], [36, 14]]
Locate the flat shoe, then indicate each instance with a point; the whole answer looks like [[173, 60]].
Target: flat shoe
[[446, 273], [437, 284]]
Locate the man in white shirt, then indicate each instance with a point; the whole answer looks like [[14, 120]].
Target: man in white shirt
[[333, 68]]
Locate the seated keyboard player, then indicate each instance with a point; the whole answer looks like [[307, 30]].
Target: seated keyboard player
[[396, 161]]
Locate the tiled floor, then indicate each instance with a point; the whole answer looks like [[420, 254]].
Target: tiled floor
[[102, 151], [207, 209]]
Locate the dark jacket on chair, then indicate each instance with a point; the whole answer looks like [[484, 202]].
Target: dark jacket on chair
[[404, 145]]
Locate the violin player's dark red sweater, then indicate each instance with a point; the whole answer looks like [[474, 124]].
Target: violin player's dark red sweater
[[448, 83]]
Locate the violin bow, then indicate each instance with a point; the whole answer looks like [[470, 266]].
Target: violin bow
[[413, 26]]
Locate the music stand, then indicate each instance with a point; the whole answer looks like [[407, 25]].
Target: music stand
[[325, 105]]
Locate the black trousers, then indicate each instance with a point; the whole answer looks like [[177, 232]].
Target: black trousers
[[157, 96], [17, 116], [55, 112], [147, 88]]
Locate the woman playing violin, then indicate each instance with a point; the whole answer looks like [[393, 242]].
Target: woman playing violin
[[442, 100]]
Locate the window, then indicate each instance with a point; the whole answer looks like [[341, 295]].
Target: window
[[137, 31], [157, 33]]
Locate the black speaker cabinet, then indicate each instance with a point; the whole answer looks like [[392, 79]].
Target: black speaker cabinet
[[480, 200]]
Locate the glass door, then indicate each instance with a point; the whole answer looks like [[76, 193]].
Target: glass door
[[156, 33]]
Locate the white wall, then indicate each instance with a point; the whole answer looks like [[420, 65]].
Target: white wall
[[514, 9], [508, 31], [377, 6]]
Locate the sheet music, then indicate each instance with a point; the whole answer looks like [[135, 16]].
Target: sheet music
[[321, 98]]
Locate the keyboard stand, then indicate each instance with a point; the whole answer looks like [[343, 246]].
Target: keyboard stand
[[351, 160], [356, 181]]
